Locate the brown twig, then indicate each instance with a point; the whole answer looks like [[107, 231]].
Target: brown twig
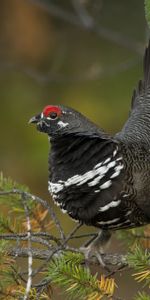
[[59, 248], [42, 202], [30, 257], [56, 249], [34, 235]]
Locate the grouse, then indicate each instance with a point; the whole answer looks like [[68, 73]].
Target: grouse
[[99, 179]]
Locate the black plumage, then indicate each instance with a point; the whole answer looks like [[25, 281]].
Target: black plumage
[[98, 179]]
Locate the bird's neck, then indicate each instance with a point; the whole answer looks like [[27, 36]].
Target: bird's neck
[[66, 156], [71, 155]]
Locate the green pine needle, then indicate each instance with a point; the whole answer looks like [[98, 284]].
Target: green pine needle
[[13, 200], [4, 245], [68, 273], [7, 274], [142, 296], [7, 184], [139, 260], [131, 237]]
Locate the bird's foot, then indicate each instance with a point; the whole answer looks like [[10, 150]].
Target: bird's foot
[[89, 253], [96, 248]]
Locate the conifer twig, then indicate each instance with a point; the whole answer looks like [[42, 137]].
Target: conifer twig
[[30, 257], [27, 195], [114, 259], [56, 248]]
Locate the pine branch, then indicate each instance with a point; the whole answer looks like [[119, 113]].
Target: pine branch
[[142, 296], [7, 273], [15, 191], [139, 260], [115, 259], [77, 281], [67, 265]]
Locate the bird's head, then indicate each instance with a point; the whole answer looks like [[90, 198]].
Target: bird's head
[[60, 120]]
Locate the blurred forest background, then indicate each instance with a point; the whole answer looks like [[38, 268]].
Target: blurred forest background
[[86, 54]]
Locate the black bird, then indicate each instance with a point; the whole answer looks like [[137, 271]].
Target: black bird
[[98, 179]]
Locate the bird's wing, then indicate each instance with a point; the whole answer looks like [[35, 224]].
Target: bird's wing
[[137, 127]]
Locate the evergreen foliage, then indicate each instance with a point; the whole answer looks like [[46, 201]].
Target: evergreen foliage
[[68, 270], [139, 261], [77, 281], [142, 296]]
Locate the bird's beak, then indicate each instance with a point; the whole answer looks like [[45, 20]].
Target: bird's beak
[[35, 119], [40, 123]]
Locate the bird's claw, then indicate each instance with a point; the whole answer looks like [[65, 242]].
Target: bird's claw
[[96, 248], [89, 253]]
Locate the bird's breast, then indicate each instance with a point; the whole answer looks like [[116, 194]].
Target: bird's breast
[[86, 195]]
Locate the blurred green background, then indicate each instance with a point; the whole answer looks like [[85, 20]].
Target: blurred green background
[[86, 54]]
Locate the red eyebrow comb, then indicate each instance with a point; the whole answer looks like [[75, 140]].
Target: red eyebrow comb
[[50, 108]]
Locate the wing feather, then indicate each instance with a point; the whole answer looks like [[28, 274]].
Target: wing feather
[[137, 127]]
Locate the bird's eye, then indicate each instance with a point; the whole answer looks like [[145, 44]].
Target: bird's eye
[[53, 115]]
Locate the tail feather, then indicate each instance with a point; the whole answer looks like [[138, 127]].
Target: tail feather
[[145, 82], [137, 127], [146, 66]]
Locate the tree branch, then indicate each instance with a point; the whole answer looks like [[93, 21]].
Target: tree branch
[[30, 257], [79, 20], [56, 247], [42, 202], [109, 259]]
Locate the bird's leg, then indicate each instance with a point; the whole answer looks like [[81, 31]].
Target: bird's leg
[[97, 247]]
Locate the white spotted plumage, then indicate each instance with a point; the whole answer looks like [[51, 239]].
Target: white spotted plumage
[[99, 178], [55, 188], [109, 221], [109, 205], [64, 211], [128, 213], [106, 185], [92, 177], [115, 174], [122, 224], [62, 124]]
